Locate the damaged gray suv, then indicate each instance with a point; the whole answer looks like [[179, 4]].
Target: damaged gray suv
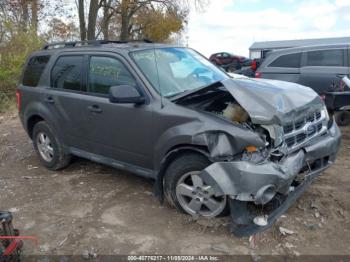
[[211, 143]]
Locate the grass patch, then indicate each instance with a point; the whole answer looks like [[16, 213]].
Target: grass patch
[[7, 103]]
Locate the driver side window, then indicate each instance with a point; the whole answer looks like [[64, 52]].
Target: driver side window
[[105, 72]]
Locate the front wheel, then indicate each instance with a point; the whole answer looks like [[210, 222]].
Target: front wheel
[[185, 189]]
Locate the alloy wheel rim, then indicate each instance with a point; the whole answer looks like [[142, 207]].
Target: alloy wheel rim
[[198, 198], [45, 147]]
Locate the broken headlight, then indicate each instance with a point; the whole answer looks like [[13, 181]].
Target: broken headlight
[[325, 112], [256, 156]]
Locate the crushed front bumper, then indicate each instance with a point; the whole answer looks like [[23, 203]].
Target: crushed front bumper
[[271, 187]]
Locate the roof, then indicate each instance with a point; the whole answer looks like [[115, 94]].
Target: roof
[[296, 43]]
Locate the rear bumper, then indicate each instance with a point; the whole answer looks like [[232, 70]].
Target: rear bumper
[[270, 185]]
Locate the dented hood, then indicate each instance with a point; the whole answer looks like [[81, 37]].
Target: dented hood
[[272, 101]]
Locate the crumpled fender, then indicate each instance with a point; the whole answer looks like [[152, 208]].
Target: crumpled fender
[[221, 137], [221, 144], [243, 180]]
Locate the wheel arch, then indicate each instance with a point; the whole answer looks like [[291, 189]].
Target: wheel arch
[[36, 112], [31, 122], [36, 116], [170, 156]]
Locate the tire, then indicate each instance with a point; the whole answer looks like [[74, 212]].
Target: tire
[[190, 165], [52, 157], [342, 118]]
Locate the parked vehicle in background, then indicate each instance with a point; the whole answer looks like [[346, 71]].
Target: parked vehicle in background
[[338, 102], [250, 70], [319, 67], [228, 61], [210, 142]]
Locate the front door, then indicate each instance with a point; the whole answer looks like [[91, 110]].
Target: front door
[[119, 131]]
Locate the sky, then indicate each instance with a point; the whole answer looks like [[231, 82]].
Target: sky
[[234, 25]]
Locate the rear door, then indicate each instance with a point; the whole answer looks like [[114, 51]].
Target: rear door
[[323, 69], [285, 67], [67, 98]]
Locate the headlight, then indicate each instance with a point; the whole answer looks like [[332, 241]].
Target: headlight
[[325, 111]]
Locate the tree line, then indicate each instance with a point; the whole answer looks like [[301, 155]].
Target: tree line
[[25, 25], [159, 20]]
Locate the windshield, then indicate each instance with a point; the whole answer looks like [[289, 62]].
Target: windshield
[[178, 70]]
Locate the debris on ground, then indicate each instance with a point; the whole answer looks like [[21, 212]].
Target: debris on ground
[[13, 209], [341, 212], [44, 248], [62, 242], [88, 254], [30, 167], [296, 253], [314, 205], [284, 231], [312, 226], [289, 245], [222, 248]]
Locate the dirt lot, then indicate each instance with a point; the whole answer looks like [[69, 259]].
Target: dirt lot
[[90, 207]]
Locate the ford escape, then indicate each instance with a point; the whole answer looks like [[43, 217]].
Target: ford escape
[[211, 143]]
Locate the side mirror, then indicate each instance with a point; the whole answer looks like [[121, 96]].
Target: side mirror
[[125, 94]]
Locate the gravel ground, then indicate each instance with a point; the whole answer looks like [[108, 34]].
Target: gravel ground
[[93, 208]]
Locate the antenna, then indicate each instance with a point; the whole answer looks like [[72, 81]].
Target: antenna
[[158, 79]]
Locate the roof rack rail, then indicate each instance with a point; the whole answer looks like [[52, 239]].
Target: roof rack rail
[[89, 42]]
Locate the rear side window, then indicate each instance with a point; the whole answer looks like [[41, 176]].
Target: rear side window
[[34, 70], [67, 73], [332, 57], [290, 60], [105, 72]]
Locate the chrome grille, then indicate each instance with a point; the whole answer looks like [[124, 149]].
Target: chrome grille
[[302, 130]]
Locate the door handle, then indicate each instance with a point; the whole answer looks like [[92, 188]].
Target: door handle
[[49, 100], [95, 109]]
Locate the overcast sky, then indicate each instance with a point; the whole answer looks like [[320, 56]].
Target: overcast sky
[[233, 25]]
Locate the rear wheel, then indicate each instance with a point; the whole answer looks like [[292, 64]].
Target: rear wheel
[[185, 189], [48, 147]]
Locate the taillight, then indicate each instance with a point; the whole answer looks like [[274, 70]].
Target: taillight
[[19, 100], [257, 74], [323, 97], [253, 65]]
